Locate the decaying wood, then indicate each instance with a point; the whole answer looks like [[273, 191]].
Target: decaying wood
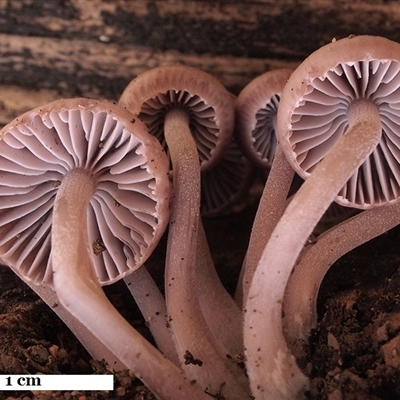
[[66, 48]]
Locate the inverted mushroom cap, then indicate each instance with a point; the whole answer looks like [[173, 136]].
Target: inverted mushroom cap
[[314, 113], [226, 183], [128, 211], [209, 104], [255, 111]]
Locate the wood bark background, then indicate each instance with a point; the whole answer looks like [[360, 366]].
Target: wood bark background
[[63, 48]]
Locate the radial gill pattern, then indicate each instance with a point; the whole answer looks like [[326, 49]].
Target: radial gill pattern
[[263, 134], [202, 119], [321, 119], [35, 156], [226, 183]]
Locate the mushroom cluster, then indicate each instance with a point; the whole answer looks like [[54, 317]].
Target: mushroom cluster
[[337, 126], [98, 183]]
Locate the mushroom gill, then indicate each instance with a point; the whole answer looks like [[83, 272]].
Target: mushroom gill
[[125, 217], [322, 118]]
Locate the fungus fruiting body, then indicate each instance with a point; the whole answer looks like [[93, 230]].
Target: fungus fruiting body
[[225, 186], [337, 125], [256, 113], [300, 303], [85, 197], [256, 110], [191, 113], [84, 201], [81, 140]]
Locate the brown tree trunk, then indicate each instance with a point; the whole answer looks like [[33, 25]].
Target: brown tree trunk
[[94, 48]]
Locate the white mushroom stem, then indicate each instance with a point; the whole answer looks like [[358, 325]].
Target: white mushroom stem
[[271, 367], [151, 303], [271, 207], [190, 331], [79, 292], [300, 304]]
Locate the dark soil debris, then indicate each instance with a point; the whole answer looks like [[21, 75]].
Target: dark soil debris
[[353, 354]]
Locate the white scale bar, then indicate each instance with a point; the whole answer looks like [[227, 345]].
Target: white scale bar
[[56, 382]]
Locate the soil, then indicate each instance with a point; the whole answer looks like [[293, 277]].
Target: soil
[[355, 351], [353, 354]]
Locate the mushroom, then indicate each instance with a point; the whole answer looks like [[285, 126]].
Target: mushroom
[[300, 302], [256, 109], [151, 303], [84, 201], [222, 188], [191, 114], [225, 186], [338, 126], [256, 114]]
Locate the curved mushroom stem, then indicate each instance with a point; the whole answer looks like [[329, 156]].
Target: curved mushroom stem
[[80, 293], [151, 303], [198, 353], [95, 348], [256, 125], [300, 306], [279, 377], [270, 209]]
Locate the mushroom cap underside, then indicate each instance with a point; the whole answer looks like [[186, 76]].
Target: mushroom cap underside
[[209, 105], [313, 113], [129, 209], [256, 108], [227, 183]]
